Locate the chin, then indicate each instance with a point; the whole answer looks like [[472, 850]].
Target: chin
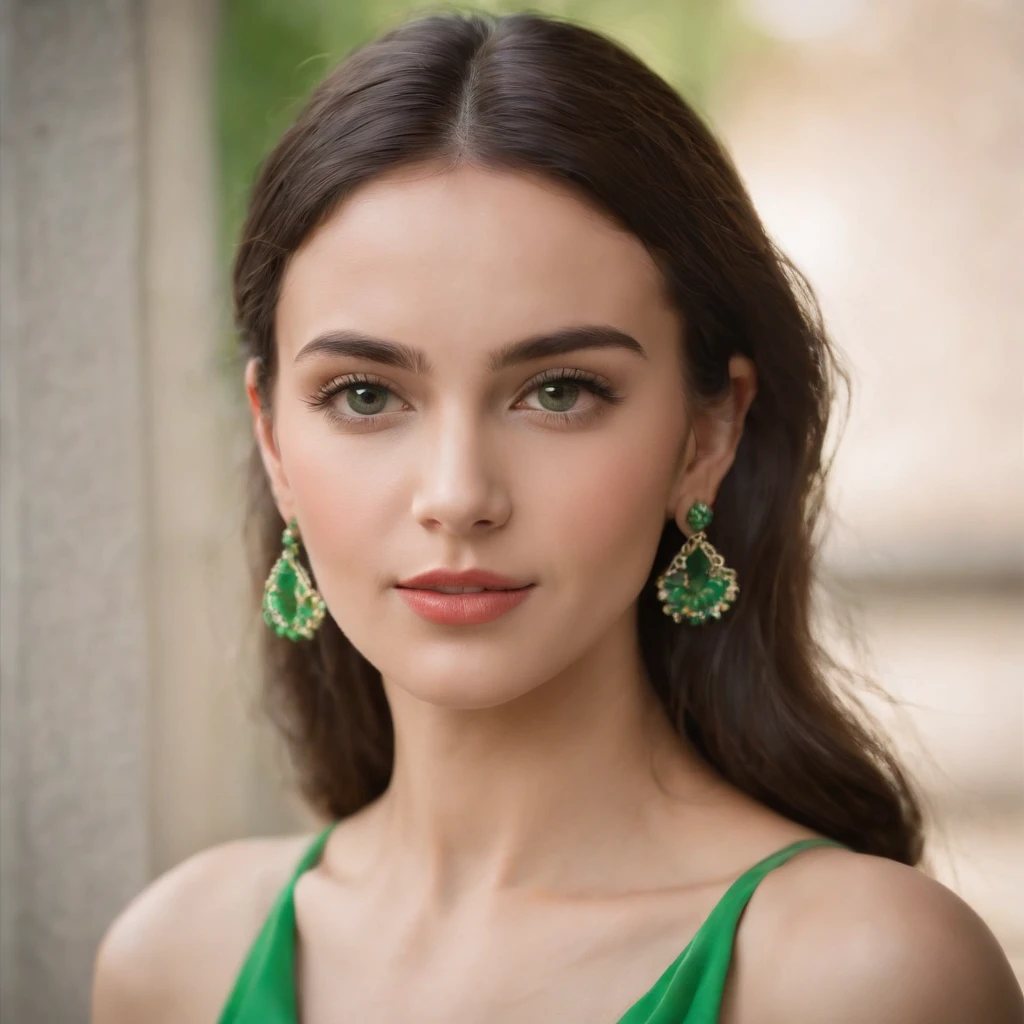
[[476, 694], [461, 679]]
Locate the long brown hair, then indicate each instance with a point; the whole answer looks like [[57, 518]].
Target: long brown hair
[[756, 693]]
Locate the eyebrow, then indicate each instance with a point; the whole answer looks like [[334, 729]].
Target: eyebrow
[[404, 357]]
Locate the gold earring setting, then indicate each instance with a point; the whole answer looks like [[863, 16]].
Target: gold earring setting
[[292, 607], [697, 586]]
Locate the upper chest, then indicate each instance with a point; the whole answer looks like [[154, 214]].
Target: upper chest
[[587, 962]]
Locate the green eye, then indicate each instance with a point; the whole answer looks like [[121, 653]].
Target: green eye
[[562, 394], [360, 402]]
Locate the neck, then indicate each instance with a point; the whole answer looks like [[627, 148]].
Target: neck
[[562, 788]]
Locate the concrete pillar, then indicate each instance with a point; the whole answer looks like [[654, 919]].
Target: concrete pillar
[[77, 652], [126, 739]]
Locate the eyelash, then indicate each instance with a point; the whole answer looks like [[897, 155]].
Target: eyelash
[[597, 386]]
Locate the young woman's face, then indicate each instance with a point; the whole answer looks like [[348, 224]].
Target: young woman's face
[[466, 460]]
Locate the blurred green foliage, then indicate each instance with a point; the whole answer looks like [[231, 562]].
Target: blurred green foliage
[[273, 52]]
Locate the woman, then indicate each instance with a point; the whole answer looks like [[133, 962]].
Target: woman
[[512, 323]]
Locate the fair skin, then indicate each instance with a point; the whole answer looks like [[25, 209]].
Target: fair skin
[[548, 844]]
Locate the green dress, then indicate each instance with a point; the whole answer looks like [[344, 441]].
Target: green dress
[[689, 991]]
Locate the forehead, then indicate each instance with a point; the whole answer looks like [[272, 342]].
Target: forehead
[[450, 258]]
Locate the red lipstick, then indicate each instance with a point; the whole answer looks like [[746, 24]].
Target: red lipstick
[[503, 594]]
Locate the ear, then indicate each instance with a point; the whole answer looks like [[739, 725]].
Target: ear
[[263, 430], [716, 430]]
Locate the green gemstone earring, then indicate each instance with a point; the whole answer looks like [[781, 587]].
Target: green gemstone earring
[[696, 586], [291, 605]]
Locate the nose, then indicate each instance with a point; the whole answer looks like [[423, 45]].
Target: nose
[[460, 488]]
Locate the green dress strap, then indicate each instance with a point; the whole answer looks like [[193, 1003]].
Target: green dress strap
[[689, 991], [264, 990]]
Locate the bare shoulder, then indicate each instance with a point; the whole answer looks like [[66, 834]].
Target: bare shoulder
[[846, 937], [174, 951]]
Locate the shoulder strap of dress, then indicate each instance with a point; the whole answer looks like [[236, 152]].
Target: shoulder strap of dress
[[691, 989], [264, 990], [727, 911]]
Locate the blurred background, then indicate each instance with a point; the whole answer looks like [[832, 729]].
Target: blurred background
[[883, 142]]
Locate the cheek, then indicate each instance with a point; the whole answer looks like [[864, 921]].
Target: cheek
[[614, 510], [341, 490], [618, 488]]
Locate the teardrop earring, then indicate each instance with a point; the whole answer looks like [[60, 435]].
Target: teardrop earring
[[291, 605], [696, 586]]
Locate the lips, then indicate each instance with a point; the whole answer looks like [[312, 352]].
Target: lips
[[462, 609], [500, 595], [467, 578]]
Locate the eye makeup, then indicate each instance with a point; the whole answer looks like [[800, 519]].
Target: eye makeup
[[326, 398]]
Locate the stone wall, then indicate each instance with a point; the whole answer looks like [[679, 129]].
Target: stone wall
[[126, 743]]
